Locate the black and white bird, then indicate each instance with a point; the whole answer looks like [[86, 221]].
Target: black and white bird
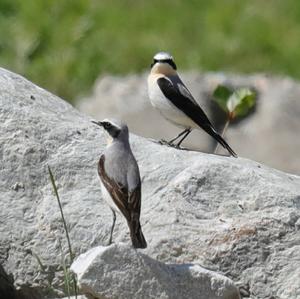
[[170, 96], [120, 179]]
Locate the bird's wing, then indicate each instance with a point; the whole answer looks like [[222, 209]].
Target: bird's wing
[[129, 203], [192, 110], [135, 200], [185, 92], [183, 100]]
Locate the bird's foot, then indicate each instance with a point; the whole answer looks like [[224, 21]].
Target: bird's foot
[[165, 142], [170, 144], [178, 146], [109, 241]]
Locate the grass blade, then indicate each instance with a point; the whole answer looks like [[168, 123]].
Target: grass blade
[[64, 224], [61, 212]]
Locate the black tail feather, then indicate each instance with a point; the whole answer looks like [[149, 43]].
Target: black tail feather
[[136, 235], [212, 132]]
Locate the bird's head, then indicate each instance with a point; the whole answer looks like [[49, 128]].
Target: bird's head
[[115, 129], [163, 63]]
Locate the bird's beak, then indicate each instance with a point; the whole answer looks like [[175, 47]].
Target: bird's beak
[[99, 123]]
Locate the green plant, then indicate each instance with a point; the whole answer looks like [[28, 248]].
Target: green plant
[[49, 272], [235, 103], [69, 281], [67, 274]]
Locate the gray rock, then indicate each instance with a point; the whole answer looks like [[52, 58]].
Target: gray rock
[[119, 271], [269, 135], [233, 216]]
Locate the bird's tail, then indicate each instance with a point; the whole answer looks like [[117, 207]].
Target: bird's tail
[[136, 234], [221, 140]]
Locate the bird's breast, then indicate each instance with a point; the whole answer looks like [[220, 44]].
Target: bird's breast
[[166, 107]]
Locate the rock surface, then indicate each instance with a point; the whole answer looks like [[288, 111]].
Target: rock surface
[[119, 271], [233, 216], [276, 117]]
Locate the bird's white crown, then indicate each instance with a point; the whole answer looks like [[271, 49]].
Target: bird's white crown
[[115, 122], [163, 56]]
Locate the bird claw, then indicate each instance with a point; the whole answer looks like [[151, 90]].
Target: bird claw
[[164, 142], [109, 241], [170, 144]]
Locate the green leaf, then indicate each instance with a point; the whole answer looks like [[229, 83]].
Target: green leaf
[[221, 96], [240, 102], [235, 104]]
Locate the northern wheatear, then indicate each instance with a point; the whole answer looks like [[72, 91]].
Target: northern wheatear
[[120, 179], [170, 96]]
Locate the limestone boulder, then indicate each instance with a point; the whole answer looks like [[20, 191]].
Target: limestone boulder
[[233, 216], [119, 271]]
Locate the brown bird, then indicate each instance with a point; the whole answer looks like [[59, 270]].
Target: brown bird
[[120, 179]]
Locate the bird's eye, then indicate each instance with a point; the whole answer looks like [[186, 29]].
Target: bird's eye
[[107, 126]]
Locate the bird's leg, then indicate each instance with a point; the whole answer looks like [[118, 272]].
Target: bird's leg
[[180, 134], [112, 227], [188, 131]]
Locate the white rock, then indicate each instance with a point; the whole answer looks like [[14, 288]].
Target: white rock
[[234, 216], [119, 271]]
